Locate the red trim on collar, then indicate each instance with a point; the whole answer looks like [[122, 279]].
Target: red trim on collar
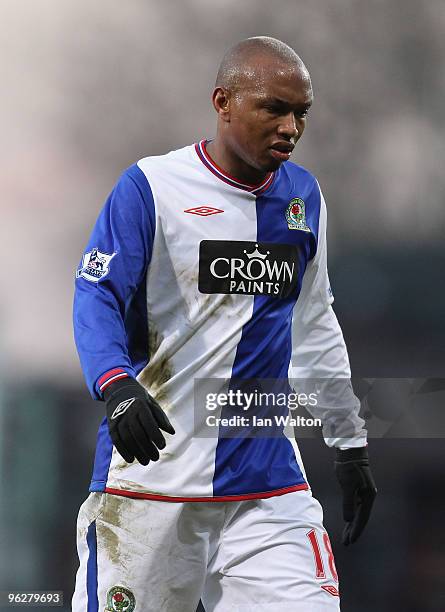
[[227, 178]]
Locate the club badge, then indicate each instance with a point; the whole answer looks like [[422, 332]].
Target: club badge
[[120, 599], [95, 265], [296, 215]]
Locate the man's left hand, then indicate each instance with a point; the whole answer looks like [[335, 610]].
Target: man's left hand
[[359, 490]]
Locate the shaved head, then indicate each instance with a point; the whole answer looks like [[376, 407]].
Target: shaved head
[[262, 96], [249, 58]]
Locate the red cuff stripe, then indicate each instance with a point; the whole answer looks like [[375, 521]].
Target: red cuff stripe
[[112, 380], [107, 375], [110, 377]]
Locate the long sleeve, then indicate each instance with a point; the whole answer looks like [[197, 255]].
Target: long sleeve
[[112, 269], [319, 356]]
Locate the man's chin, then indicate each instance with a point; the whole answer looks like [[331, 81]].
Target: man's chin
[[271, 165], [265, 164]]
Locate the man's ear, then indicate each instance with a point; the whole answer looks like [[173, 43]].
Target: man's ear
[[221, 99]]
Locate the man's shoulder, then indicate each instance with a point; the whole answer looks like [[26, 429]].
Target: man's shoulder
[[168, 159], [176, 162], [300, 174], [301, 183]]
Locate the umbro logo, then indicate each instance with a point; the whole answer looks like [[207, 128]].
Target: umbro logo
[[203, 211], [122, 407], [330, 588]]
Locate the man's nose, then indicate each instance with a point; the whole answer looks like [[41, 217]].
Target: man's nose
[[288, 126]]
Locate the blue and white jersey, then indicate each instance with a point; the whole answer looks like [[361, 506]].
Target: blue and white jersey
[[190, 274]]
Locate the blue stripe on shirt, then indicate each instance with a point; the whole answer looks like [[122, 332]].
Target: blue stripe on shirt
[[242, 464]]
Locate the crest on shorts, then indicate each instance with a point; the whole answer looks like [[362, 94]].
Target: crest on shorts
[[296, 215], [120, 599], [95, 265]]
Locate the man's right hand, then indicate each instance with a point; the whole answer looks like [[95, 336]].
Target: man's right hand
[[135, 421]]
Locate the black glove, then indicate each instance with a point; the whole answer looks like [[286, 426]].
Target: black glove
[[359, 490], [135, 420]]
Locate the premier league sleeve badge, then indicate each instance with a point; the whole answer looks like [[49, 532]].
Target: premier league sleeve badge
[[95, 265]]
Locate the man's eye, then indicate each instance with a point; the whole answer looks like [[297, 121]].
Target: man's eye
[[272, 109], [302, 114]]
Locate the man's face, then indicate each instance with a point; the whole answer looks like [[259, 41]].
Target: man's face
[[267, 115]]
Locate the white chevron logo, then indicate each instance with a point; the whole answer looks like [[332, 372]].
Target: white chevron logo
[[122, 407]]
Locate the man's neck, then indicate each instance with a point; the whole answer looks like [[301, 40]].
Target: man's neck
[[232, 165]]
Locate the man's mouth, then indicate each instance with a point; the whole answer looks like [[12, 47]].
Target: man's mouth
[[282, 150]]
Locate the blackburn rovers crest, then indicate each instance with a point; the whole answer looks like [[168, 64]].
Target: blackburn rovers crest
[[296, 215], [120, 599], [95, 265]]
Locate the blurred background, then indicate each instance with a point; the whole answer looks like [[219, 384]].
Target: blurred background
[[88, 88]]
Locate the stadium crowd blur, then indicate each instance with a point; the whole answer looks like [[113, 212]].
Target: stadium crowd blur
[[89, 88]]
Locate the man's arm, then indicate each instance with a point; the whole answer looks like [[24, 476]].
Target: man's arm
[[319, 357], [111, 271], [320, 363]]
